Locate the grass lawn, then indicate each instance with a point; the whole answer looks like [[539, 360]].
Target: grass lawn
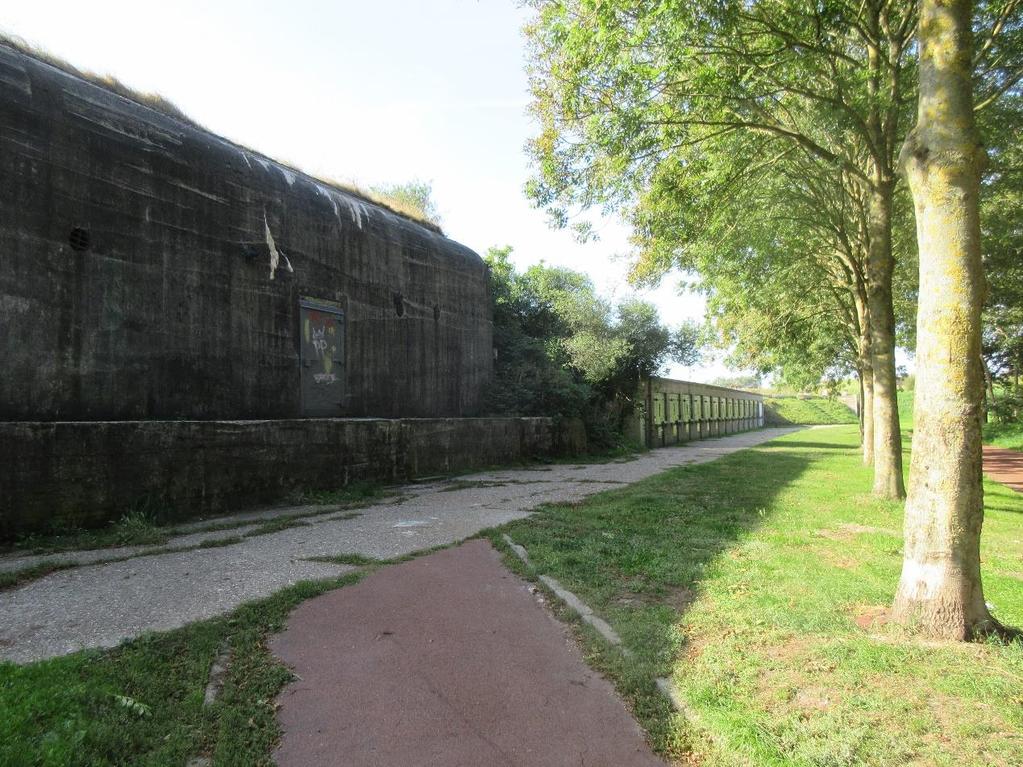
[[1008, 435], [753, 580], [142, 703], [807, 410], [759, 583]]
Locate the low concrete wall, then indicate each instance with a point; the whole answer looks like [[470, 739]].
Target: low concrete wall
[[63, 474], [669, 412]]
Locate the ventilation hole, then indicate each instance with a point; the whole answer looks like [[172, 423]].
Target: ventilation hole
[[79, 239], [436, 313], [399, 304]]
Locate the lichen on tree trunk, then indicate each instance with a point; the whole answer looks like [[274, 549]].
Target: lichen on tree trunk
[[940, 592]]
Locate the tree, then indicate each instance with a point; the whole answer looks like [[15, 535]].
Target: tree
[[414, 198], [1002, 239], [632, 95], [940, 590], [564, 350]]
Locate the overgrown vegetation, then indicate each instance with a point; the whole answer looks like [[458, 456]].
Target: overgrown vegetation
[[562, 350], [765, 600], [806, 410]]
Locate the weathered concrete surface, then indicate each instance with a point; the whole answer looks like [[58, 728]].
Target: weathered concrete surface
[[672, 411], [100, 605], [1005, 466], [151, 269], [55, 475], [445, 660]]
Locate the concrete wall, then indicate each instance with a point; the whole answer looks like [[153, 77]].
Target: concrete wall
[[149, 269], [670, 412], [55, 475]]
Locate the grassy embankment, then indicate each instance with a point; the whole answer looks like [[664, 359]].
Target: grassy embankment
[[1008, 435], [806, 410], [760, 583]]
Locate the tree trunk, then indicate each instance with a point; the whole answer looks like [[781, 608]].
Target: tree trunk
[[888, 482], [989, 391], [940, 590], [866, 368], [868, 415]]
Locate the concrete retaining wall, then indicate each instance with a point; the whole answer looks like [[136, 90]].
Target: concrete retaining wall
[[55, 475], [669, 412]]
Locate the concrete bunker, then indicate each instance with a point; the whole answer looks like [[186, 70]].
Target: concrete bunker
[[190, 325], [154, 270]]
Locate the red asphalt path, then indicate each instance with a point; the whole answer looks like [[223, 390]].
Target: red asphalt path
[[1005, 466], [445, 660]]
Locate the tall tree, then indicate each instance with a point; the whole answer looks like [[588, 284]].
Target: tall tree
[[628, 88], [940, 589]]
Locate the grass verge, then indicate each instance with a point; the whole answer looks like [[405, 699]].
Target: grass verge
[[142, 703], [1008, 435], [759, 583], [806, 410]]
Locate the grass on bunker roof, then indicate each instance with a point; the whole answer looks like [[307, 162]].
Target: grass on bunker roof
[[759, 583], [403, 206]]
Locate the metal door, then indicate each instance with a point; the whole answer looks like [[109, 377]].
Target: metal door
[[323, 357]]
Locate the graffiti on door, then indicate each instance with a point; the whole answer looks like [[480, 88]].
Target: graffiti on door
[[323, 341]]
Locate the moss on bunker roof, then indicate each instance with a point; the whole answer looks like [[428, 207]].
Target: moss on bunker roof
[[166, 107]]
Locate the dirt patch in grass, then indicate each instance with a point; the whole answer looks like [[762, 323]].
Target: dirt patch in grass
[[871, 617], [678, 597], [849, 530]]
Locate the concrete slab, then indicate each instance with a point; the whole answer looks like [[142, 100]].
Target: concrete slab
[[446, 660]]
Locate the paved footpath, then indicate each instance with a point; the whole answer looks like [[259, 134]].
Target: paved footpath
[[1005, 466], [446, 660], [100, 605]]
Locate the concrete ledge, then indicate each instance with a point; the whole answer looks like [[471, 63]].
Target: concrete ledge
[[84, 474]]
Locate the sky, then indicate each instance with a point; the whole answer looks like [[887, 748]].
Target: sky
[[371, 92]]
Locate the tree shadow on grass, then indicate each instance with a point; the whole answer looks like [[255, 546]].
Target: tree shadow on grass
[[814, 445], [639, 555], [656, 537], [1009, 509]]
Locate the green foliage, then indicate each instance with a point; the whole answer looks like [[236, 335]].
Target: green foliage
[[562, 350], [750, 143], [753, 581], [413, 199], [806, 410], [756, 144], [1007, 435], [1008, 408]]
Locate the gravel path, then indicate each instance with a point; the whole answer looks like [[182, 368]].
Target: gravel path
[[100, 605]]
